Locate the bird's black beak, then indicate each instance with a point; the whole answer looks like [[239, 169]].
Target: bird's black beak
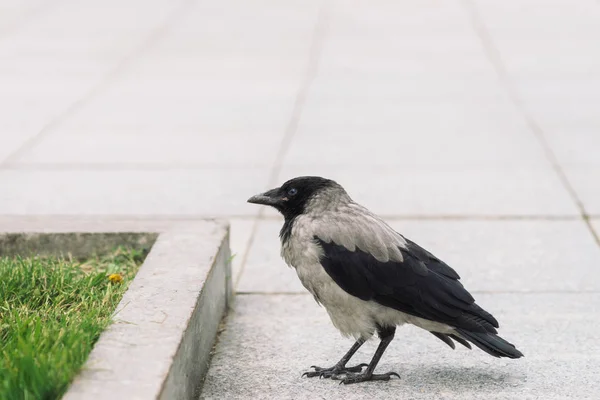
[[270, 198]]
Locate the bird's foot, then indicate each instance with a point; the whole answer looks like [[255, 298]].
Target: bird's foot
[[335, 370], [363, 377]]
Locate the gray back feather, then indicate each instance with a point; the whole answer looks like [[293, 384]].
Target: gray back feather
[[332, 216]]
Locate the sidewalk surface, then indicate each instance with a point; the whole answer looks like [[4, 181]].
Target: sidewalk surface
[[473, 126]]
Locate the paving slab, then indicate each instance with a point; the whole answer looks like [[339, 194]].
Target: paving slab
[[490, 256], [186, 105], [381, 30], [240, 231], [168, 147], [562, 43], [405, 110], [270, 340], [14, 14], [57, 55], [578, 147], [223, 96], [10, 143], [97, 224], [25, 115], [464, 143], [595, 222], [554, 68], [265, 271], [449, 191], [382, 63], [198, 192], [334, 107], [245, 30], [586, 183]]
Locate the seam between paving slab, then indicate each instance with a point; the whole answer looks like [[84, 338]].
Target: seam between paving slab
[[495, 58], [144, 45], [312, 67]]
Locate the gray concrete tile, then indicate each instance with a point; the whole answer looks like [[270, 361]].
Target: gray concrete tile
[[61, 51], [270, 340], [586, 183], [564, 113], [27, 85], [10, 142], [187, 107], [51, 32], [98, 224], [403, 51], [534, 256], [158, 65], [194, 75], [462, 144], [109, 48], [444, 190], [265, 270], [240, 233], [168, 147], [29, 111], [35, 66], [555, 67], [382, 89], [596, 225], [89, 18], [490, 256], [556, 21], [404, 30], [575, 146], [14, 14], [201, 192]]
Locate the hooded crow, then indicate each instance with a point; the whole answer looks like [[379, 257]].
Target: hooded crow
[[370, 278]]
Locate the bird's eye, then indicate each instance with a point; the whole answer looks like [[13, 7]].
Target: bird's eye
[[292, 192]]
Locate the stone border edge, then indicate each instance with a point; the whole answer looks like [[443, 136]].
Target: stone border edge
[[171, 356]]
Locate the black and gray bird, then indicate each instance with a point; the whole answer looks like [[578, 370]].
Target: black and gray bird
[[370, 278]]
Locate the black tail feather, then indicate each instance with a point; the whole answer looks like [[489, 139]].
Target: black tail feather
[[444, 338], [491, 344], [461, 341]]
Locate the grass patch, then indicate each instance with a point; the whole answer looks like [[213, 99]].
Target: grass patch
[[52, 311]]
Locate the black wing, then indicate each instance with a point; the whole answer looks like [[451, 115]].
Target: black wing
[[420, 285]]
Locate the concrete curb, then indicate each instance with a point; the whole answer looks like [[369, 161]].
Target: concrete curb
[[165, 326]]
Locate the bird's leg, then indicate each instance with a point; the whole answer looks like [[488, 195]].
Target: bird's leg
[[340, 367], [386, 335]]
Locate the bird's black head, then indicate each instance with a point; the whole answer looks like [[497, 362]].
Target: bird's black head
[[291, 198]]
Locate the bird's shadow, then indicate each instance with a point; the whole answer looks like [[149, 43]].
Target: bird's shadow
[[462, 378]]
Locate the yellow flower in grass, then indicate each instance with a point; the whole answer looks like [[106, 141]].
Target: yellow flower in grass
[[115, 278]]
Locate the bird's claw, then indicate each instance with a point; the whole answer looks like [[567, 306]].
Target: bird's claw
[[335, 370], [363, 377]]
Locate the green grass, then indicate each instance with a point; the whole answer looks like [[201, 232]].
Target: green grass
[[52, 311]]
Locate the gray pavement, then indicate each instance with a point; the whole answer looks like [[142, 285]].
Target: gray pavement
[[472, 125], [262, 358]]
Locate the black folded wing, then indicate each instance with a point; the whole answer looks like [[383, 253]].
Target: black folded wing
[[419, 285]]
